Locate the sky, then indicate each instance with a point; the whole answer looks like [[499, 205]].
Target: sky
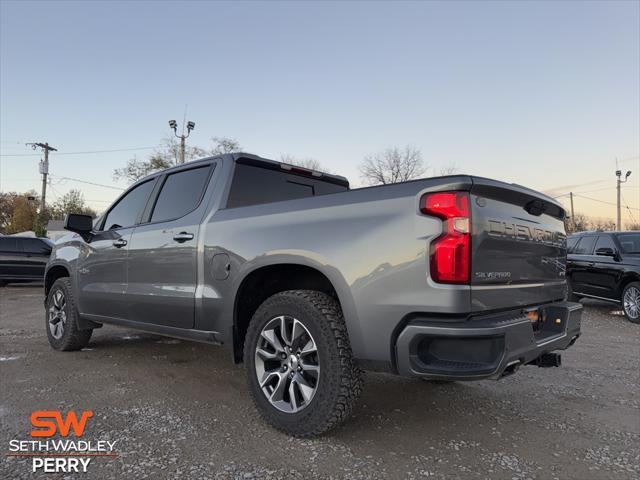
[[544, 94]]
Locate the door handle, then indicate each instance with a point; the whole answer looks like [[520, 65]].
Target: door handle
[[183, 237], [119, 243]]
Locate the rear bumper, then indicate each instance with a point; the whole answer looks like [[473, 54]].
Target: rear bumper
[[488, 347]]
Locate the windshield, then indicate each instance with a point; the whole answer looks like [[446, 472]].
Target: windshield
[[630, 242]]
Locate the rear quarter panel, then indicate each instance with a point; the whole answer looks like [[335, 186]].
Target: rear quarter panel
[[370, 243]]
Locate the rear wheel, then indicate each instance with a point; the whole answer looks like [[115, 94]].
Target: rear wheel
[[61, 318], [631, 302], [300, 369]]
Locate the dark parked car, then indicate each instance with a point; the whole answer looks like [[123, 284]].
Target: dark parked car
[[23, 259], [606, 265]]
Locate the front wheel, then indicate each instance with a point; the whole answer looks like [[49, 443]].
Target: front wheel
[[61, 318], [301, 372], [631, 302]]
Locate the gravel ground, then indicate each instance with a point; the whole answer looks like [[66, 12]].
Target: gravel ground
[[181, 410]]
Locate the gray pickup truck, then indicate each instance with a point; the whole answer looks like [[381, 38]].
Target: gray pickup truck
[[308, 282]]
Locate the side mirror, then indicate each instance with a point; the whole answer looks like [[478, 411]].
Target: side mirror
[[605, 252], [75, 222]]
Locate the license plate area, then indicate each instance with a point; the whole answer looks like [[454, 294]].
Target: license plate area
[[547, 321]]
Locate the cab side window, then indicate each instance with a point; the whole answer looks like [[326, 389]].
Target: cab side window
[[571, 244], [605, 241], [585, 246], [125, 212]]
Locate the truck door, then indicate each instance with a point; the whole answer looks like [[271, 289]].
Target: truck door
[[163, 251], [102, 274], [582, 261], [10, 258], [36, 254], [606, 270]]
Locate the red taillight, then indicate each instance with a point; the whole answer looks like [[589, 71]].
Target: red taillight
[[451, 252]]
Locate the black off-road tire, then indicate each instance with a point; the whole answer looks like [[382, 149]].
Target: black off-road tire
[[339, 382], [633, 315], [72, 338]]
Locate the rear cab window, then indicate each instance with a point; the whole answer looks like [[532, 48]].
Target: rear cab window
[[254, 184], [181, 193]]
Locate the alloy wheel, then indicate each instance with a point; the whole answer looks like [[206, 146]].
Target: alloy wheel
[[287, 364], [57, 314], [631, 302]]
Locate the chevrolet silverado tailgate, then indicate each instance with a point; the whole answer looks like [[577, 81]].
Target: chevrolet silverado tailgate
[[518, 246]]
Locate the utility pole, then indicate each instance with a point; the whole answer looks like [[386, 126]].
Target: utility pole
[[174, 126], [44, 170], [620, 181], [573, 218]]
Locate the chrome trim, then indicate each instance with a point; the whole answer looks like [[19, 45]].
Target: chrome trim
[[516, 285], [612, 300]]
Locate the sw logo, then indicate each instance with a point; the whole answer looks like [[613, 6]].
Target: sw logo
[[48, 422], [60, 455]]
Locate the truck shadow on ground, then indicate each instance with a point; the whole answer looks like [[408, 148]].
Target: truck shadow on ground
[[389, 404]]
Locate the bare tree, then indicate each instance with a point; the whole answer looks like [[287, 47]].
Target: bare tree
[[224, 145], [603, 225], [582, 223], [135, 168], [168, 155], [71, 202], [448, 170], [310, 163], [579, 223], [633, 226], [393, 165]]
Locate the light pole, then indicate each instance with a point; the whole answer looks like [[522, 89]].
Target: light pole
[[619, 181], [174, 126]]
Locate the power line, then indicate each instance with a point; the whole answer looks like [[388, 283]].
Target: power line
[[81, 153], [61, 179], [600, 201], [595, 190], [628, 209]]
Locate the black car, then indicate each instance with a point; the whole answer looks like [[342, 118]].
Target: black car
[[606, 265], [23, 259]]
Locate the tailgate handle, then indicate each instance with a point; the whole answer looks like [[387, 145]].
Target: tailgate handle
[[536, 207]]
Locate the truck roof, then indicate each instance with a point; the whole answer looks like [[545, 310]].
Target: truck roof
[[251, 159]]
